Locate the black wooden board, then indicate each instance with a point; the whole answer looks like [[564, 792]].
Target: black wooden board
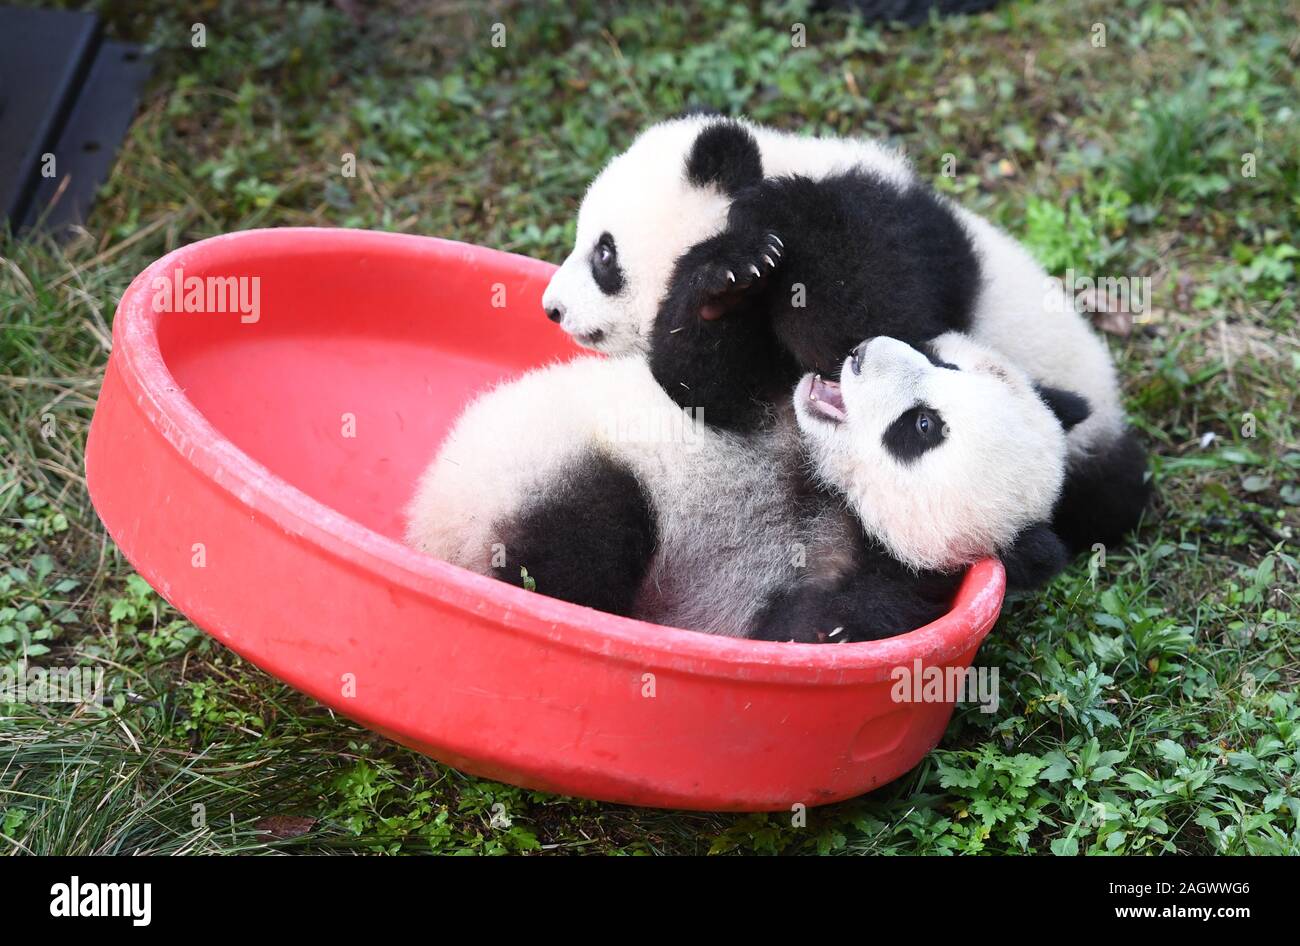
[[65, 92]]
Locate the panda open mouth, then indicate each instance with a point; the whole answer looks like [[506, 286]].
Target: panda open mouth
[[826, 400]]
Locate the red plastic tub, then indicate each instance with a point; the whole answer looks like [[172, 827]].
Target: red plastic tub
[[252, 464]]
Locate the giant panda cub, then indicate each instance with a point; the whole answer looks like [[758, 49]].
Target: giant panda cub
[[737, 257], [847, 515]]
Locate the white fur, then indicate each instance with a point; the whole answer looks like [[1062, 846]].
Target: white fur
[[643, 200], [1024, 314], [727, 531], [998, 469], [646, 204]]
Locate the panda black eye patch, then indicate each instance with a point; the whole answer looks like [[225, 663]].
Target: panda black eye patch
[[604, 266], [913, 432]]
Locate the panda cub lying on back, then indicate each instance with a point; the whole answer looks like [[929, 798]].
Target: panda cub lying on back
[[849, 516]]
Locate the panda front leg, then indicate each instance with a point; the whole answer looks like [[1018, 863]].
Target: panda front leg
[[722, 274], [869, 604], [588, 537], [813, 301], [1104, 495], [711, 347]]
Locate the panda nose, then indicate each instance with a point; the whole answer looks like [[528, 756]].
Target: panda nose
[[857, 356], [555, 313]]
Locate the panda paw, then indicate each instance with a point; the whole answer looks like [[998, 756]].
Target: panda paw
[[732, 266]]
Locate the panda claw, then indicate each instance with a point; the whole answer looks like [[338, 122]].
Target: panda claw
[[769, 260], [755, 270], [776, 239], [731, 277]]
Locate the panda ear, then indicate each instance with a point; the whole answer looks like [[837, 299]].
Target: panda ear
[[1069, 408], [1035, 557], [725, 155]]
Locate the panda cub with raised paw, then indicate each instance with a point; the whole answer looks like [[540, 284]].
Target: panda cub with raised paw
[[848, 515], [737, 257]]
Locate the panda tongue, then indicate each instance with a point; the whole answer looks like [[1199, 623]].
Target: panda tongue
[[825, 398]]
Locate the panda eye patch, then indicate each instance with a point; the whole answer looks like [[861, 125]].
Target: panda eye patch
[[604, 266], [913, 432]]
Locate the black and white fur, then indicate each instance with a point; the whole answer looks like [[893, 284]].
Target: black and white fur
[[584, 479], [712, 237]]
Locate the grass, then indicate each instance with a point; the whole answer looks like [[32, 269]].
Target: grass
[[1148, 696]]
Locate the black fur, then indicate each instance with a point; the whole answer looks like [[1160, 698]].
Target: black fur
[[1035, 558], [1070, 409], [731, 369], [932, 356], [1104, 495], [872, 260], [912, 433], [588, 538], [838, 260], [589, 535], [864, 258], [724, 155], [878, 598], [605, 269]]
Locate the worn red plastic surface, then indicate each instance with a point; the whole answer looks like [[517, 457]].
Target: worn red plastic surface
[[219, 462]]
